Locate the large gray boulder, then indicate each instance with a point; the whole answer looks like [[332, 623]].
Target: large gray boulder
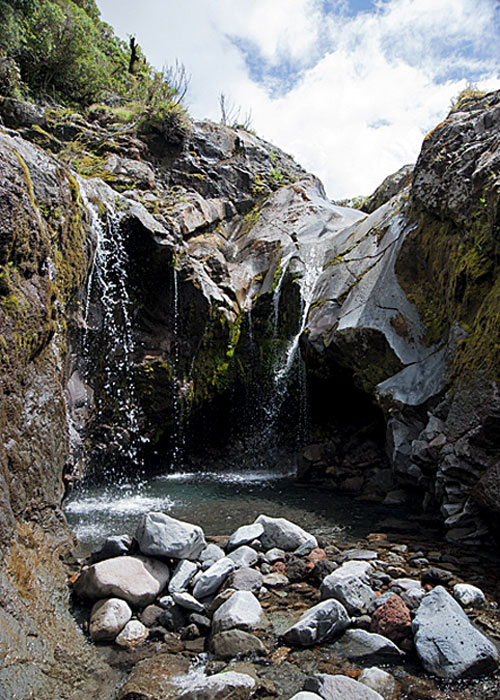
[[241, 611], [212, 579], [182, 575], [160, 535], [447, 643], [349, 589], [280, 532], [221, 686], [324, 621], [138, 580], [360, 645], [339, 688], [108, 618]]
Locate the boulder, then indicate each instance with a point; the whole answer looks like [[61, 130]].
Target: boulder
[[138, 580], [220, 686], [210, 555], [245, 579], [392, 620], [349, 589], [275, 554], [160, 535], [323, 621], [279, 532], [243, 556], [245, 535], [114, 546], [447, 643], [241, 611], [133, 634], [275, 580], [306, 695], [469, 596], [187, 601], [150, 615], [380, 681], [211, 580], [173, 617], [360, 645], [235, 642], [339, 688], [182, 575], [108, 618]]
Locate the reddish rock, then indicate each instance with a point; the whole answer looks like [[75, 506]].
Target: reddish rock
[[392, 620], [279, 567], [314, 557]]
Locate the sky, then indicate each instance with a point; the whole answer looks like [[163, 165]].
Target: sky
[[348, 87]]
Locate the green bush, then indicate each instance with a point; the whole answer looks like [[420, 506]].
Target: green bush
[[59, 51]]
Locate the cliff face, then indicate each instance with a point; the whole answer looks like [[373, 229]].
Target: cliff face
[[148, 278], [43, 263]]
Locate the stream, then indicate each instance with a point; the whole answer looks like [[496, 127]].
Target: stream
[[220, 502]]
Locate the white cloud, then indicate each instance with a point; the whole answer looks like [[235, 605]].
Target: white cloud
[[367, 86]]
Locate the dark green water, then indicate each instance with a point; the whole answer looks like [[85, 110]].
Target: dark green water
[[219, 503]]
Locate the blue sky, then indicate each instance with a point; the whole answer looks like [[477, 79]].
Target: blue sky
[[349, 88]]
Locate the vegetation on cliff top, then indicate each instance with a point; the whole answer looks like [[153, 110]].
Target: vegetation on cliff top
[[61, 52]]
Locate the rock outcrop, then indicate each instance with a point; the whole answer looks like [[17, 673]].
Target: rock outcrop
[[144, 279]]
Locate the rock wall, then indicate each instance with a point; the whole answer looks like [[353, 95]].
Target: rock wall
[[43, 262]]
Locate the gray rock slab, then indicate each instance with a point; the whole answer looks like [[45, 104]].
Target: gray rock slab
[[187, 601], [233, 643], [221, 686], [212, 579], [320, 623], [351, 591], [245, 579], [360, 645], [210, 555], [182, 575], [339, 688], [244, 556], [279, 532], [160, 535], [138, 580], [108, 618], [447, 643], [245, 535], [241, 611], [305, 695]]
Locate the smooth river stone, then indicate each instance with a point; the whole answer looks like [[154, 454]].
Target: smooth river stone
[[212, 579], [138, 580], [162, 536], [321, 622], [241, 611], [281, 533], [245, 534], [331, 687], [108, 618]]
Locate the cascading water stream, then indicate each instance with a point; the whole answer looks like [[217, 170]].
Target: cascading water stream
[[178, 435], [108, 301]]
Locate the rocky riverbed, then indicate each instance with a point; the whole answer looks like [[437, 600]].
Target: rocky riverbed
[[271, 612]]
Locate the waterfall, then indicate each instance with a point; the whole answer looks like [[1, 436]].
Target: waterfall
[[178, 435], [108, 322]]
